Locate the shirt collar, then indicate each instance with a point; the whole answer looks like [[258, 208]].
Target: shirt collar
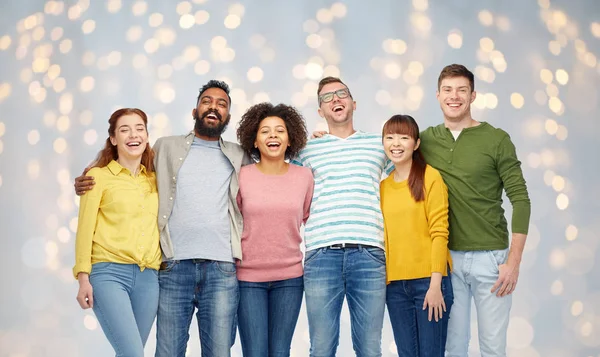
[[116, 168]]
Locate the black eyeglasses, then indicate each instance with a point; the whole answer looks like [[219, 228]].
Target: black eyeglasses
[[328, 97]]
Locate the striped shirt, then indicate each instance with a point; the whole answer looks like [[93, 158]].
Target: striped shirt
[[345, 206]]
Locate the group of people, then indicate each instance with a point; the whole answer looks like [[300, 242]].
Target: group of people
[[200, 225]]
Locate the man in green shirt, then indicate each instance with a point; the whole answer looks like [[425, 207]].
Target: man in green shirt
[[477, 162]]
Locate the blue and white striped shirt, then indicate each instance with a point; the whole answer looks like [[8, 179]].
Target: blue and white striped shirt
[[345, 206]]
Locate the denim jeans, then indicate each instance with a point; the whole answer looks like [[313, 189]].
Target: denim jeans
[[125, 303], [267, 316], [207, 285], [473, 276], [414, 334], [357, 274]]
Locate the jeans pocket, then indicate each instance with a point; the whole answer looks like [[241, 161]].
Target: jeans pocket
[[226, 268], [167, 266], [377, 254], [311, 255]]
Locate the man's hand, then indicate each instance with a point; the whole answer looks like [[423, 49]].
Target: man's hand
[[507, 279], [318, 134], [84, 183]]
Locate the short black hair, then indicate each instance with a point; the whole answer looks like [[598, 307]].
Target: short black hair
[[213, 83], [294, 123]]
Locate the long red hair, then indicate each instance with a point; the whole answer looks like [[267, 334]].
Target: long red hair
[[406, 125], [109, 152]]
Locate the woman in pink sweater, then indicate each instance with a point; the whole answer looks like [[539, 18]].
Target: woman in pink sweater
[[274, 198]]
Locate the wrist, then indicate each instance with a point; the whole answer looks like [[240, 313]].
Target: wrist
[[83, 277]]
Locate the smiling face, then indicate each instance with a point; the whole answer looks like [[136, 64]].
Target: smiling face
[[272, 138], [455, 96], [338, 110], [212, 113], [399, 148], [131, 136]]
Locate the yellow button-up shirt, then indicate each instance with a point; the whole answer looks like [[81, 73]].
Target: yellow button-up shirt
[[118, 220]]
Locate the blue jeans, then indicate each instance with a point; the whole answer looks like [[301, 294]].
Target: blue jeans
[[207, 285], [267, 316], [357, 274], [474, 274], [125, 303], [414, 334]]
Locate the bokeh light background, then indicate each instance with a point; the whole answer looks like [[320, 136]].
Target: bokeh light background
[[66, 65]]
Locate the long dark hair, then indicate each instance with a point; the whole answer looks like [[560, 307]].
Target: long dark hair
[[109, 152], [406, 125]]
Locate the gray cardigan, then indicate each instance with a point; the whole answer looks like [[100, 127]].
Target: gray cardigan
[[170, 152]]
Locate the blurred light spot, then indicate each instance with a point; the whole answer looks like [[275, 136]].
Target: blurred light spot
[[552, 90], [324, 16], [65, 46], [555, 104], [155, 20], [485, 74], [201, 17], [113, 6], [151, 45], [480, 101], [191, 53], [63, 123], [255, 74], [183, 8], [90, 137], [546, 76], [562, 201], [40, 65], [33, 169], [392, 70], [202, 67], [88, 26], [520, 332], [548, 177], [56, 33], [33, 253], [415, 93], [59, 145], [383, 97], [313, 41], [232, 21], [503, 23], [86, 117], [338, 9], [420, 22], [90, 322], [5, 42], [586, 329], [26, 75], [331, 70], [218, 43], [558, 183], [74, 12], [299, 71], [562, 133], [551, 126], [540, 97], [557, 287], [554, 47], [51, 249], [486, 44], [420, 5], [416, 68], [517, 100], [486, 18], [86, 84], [237, 9], [164, 92], [187, 21], [134, 33], [576, 308], [571, 232], [562, 77], [164, 71], [139, 61], [38, 33], [557, 258], [66, 103], [227, 55], [313, 71], [491, 100], [139, 8]]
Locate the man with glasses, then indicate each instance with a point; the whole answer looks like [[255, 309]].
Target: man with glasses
[[344, 234]]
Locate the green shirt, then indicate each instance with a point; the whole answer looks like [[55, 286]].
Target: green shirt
[[476, 167]]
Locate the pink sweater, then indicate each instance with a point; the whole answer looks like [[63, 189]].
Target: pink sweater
[[274, 207]]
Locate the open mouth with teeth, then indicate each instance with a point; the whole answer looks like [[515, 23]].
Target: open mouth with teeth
[[273, 145], [454, 105], [212, 116], [397, 152], [337, 108], [134, 144]]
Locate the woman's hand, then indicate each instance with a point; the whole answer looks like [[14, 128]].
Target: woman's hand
[[434, 299], [85, 296]]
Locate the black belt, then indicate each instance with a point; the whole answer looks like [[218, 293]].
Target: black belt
[[344, 245]]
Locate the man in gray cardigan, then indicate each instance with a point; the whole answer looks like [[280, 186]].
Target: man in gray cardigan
[[200, 229]]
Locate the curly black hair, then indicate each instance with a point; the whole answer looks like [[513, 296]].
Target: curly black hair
[[294, 123], [213, 83]]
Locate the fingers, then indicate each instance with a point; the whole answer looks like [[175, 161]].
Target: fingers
[[91, 301], [496, 285], [431, 308]]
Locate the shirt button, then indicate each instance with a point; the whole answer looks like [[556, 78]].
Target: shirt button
[[171, 198], [187, 142], [173, 178], [165, 217], [449, 161], [181, 158], [451, 149], [143, 234]]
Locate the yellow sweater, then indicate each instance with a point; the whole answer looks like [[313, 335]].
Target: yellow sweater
[[117, 220], [416, 233]]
